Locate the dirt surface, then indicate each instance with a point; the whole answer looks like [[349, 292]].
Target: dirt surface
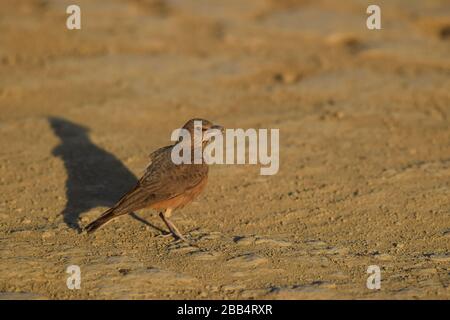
[[364, 119]]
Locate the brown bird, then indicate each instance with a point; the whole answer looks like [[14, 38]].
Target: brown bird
[[166, 185]]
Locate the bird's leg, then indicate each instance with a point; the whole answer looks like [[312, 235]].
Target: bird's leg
[[164, 234], [173, 229]]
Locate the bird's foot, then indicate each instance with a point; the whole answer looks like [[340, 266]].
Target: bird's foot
[[176, 237], [164, 235], [180, 238]]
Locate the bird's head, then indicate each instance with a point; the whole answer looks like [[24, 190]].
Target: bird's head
[[202, 131]]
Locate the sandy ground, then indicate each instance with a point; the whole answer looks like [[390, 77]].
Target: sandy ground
[[364, 119]]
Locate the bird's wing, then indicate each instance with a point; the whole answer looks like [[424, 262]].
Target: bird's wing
[[162, 180]]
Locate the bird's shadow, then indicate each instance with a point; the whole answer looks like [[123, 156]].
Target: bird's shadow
[[95, 177]]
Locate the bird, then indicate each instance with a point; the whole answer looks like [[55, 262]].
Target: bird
[[165, 185]]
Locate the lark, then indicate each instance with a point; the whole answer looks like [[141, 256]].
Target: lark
[[165, 186]]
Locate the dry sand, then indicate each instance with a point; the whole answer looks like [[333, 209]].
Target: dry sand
[[364, 120]]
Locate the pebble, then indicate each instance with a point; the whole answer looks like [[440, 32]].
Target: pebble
[[440, 257], [48, 234]]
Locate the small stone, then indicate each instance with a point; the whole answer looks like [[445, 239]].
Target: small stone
[[48, 234], [339, 115], [233, 287], [244, 240], [290, 77], [440, 257], [287, 77]]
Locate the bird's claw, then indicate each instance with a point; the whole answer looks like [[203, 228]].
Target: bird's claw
[[164, 235]]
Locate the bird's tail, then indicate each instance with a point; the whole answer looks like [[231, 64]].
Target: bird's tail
[[104, 218]]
